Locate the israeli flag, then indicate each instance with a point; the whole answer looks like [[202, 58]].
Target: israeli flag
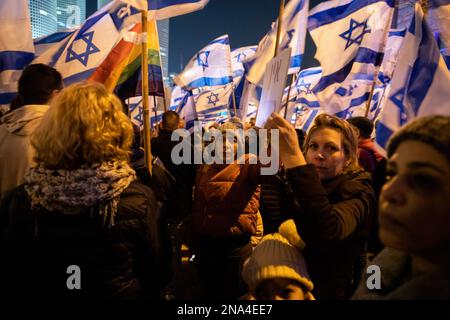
[[350, 37], [438, 17], [48, 48], [187, 111], [353, 100], [306, 117], [213, 102], [249, 103], [305, 82], [293, 32], [163, 9], [238, 58], [16, 46], [421, 81], [87, 48], [137, 112], [177, 97], [210, 67]]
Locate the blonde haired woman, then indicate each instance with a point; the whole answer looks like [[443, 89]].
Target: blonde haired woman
[[81, 207], [335, 200]]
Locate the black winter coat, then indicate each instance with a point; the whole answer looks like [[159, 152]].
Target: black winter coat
[[129, 260], [334, 219]]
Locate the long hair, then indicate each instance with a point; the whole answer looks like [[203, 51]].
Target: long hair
[[348, 133], [85, 124]]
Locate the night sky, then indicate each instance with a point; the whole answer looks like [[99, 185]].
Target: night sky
[[245, 21]]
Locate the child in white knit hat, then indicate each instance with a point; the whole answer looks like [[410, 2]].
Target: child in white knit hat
[[276, 270]]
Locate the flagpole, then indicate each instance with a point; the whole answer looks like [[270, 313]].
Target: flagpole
[[294, 78], [155, 108], [280, 22], [234, 99], [145, 105], [377, 69]]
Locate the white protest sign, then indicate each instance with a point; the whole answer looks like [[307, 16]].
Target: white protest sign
[[273, 86]]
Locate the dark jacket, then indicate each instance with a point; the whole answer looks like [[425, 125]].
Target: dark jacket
[[129, 260], [333, 218], [275, 205], [162, 147], [399, 283]]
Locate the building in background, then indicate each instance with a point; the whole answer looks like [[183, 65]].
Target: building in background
[[43, 17], [70, 13], [163, 34], [48, 16]]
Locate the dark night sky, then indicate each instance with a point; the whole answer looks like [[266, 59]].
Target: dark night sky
[[245, 21]]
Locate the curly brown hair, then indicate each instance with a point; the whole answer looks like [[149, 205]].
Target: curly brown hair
[[85, 124]]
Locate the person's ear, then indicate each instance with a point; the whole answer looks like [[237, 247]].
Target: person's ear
[[55, 93]]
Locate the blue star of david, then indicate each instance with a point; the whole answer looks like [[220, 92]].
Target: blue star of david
[[213, 98], [301, 85], [83, 57], [202, 59], [350, 37], [398, 98], [139, 116]]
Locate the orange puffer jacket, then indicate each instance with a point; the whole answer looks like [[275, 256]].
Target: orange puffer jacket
[[226, 199]]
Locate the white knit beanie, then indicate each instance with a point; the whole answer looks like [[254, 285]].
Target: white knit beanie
[[277, 257]]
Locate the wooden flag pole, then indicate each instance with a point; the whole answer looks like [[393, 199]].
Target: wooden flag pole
[[146, 111], [280, 22], [377, 69], [234, 99], [155, 108]]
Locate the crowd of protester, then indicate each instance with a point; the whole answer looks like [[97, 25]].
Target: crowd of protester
[[74, 190]]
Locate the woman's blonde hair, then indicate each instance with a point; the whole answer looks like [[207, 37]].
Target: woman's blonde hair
[[85, 124], [349, 138]]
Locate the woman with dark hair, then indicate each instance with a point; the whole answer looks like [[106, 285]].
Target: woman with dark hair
[[335, 200], [415, 215], [81, 209]]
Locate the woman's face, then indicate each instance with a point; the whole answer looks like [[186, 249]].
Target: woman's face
[[415, 201], [326, 152]]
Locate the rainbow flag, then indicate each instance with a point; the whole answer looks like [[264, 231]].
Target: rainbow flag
[[121, 70]]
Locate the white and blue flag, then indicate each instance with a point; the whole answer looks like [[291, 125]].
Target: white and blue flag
[[293, 33], [249, 102], [360, 85], [87, 48], [213, 102], [238, 58], [136, 111], [300, 93], [177, 97], [48, 48], [306, 117], [438, 17], [421, 81], [350, 37], [210, 67], [16, 46], [164, 9], [305, 82]]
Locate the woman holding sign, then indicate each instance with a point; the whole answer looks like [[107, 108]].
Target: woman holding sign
[[335, 200]]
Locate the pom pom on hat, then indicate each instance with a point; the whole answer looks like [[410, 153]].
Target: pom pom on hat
[[277, 257]]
